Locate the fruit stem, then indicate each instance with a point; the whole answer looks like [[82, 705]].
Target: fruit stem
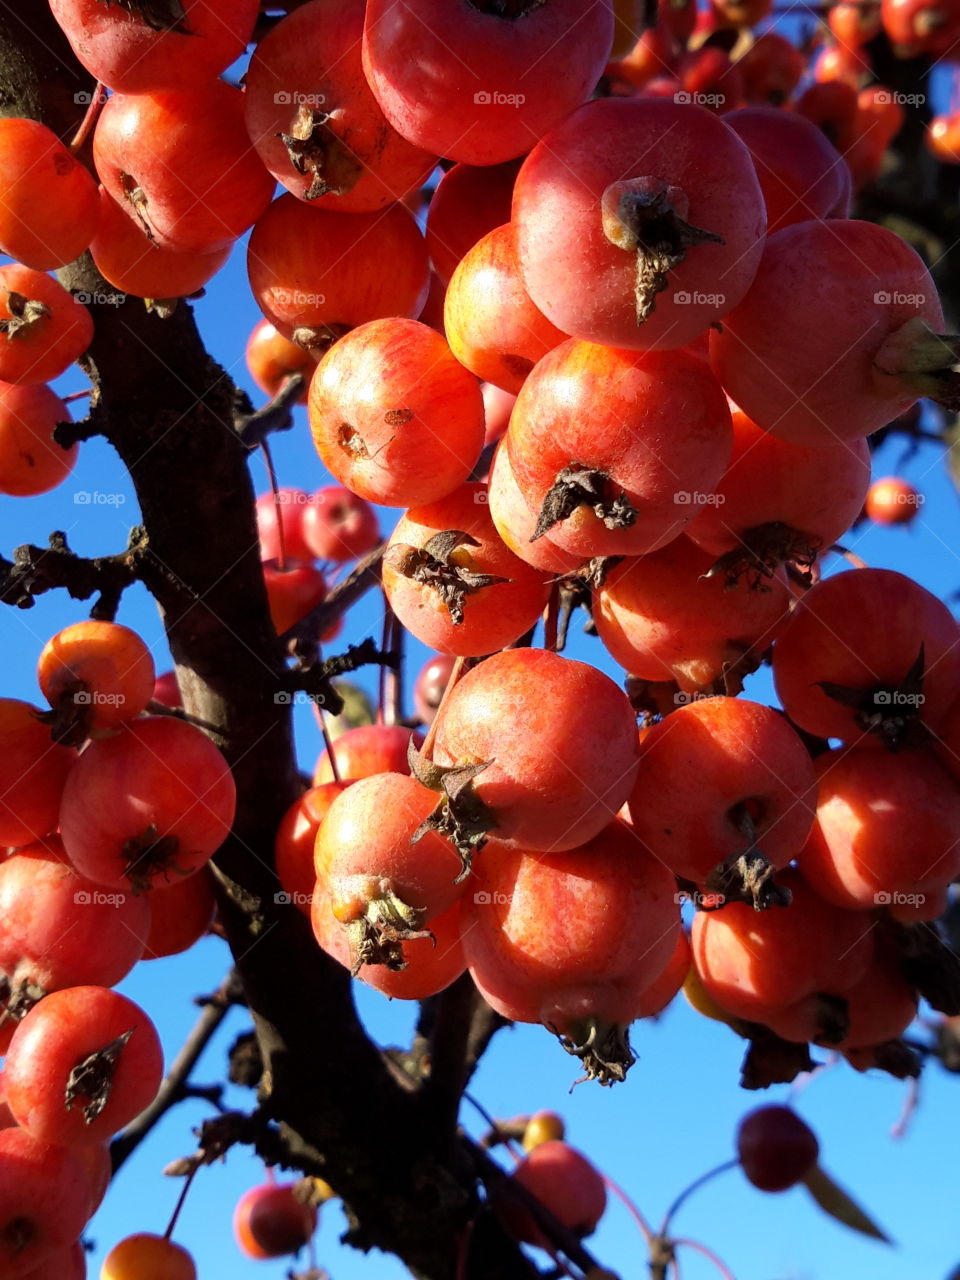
[[851, 556], [391, 677], [97, 99], [180, 1202], [694, 1186], [492, 1124], [551, 617], [709, 1255], [77, 395], [630, 1206], [426, 751], [275, 490], [328, 743]]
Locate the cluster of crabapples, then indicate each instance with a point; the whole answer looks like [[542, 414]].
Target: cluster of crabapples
[[108, 817]]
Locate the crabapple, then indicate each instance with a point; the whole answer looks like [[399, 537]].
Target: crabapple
[[892, 500], [81, 1065], [132, 262], [452, 581], [96, 676], [180, 164], [507, 711], [36, 770], [565, 1182], [383, 885], [516, 520], [473, 79], [338, 525], [801, 174], [832, 366], [121, 46], [286, 509], [58, 929], [639, 222], [430, 963], [722, 779], [323, 136], [295, 839], [669, 616], [491, 324], [145, 1254], [44, 1200], [180, 915], [779, 501], [43, 329], [469, 201], [574, 939], [776, 1148], [614, 449], [886, 825], [151, 803], [50, 204], [368, 749], [867, 656], [394, 416], [270, 1221], [31, 461], [315, 274], [272, 358], [752, 964]]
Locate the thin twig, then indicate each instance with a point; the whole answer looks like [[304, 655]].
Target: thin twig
[[171, 1090]]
